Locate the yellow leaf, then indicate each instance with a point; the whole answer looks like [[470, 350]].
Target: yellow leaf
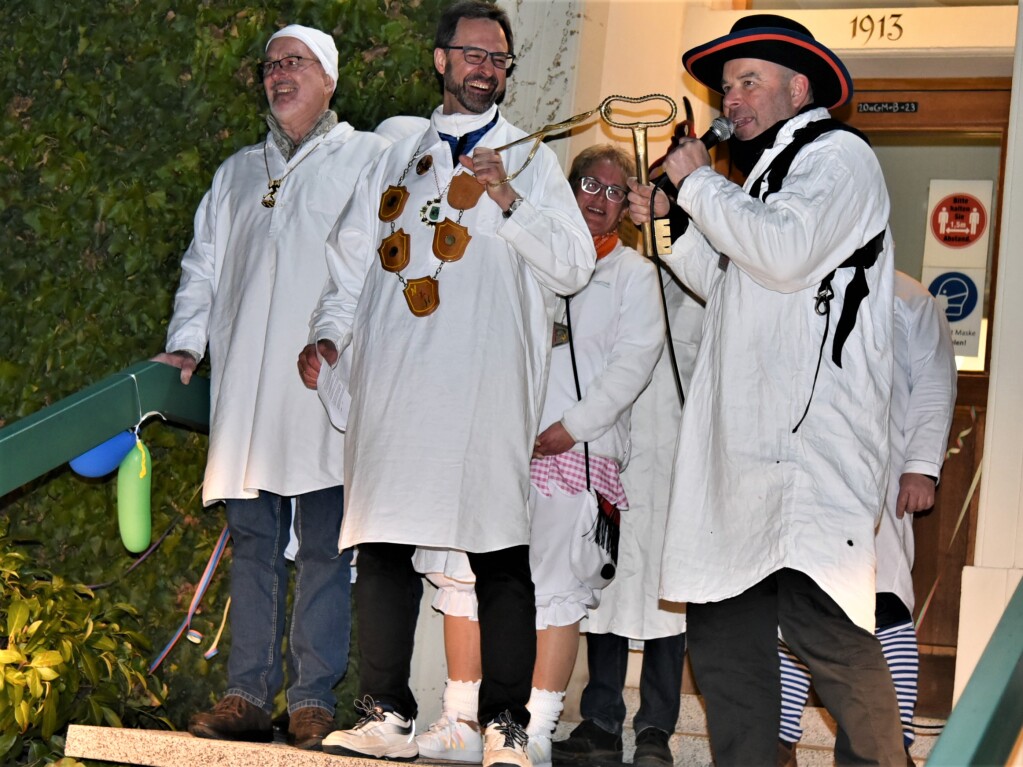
[[48, 674], [22, 713], [17, 678], [17, 617], [35, 685], [11, 655], [46, 658]]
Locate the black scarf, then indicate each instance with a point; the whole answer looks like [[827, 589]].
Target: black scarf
[[746, 154]]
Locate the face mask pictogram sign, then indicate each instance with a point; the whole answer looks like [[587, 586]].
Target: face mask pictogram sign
[[956, 255]]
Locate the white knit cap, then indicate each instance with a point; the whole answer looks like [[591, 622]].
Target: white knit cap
[[320, 43]]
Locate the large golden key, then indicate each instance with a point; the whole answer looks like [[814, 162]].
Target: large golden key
[[639, 129], [605, 110]]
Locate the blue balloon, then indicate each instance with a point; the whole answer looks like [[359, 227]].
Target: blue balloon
[[105, 457]]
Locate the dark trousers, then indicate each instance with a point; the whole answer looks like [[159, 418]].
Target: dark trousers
[[387, 595], [733, 651], [660, 682]]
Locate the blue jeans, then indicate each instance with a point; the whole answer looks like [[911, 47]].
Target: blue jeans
[[660, 684], [321, 618]]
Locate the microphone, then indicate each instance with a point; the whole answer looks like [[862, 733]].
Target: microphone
[[721, 129]]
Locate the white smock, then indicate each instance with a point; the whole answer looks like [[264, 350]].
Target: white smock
[[629, 606], [618, 334], [445, 407], [749, 495], [249, 280], [923, 402]]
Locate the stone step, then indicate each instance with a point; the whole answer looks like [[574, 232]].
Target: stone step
[[692, 749], [160, 748]]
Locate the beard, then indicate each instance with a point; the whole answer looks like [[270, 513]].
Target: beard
[[473, 100]]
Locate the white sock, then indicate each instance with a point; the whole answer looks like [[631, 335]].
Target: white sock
[[544, 711], [462, 700]]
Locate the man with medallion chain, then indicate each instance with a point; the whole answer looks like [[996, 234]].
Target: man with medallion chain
[[249, 280], [444, 279]]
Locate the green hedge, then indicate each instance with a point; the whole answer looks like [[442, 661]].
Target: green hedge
[[114, 115]]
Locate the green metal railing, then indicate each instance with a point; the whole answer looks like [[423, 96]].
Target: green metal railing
[[44, 440], [986, 721]]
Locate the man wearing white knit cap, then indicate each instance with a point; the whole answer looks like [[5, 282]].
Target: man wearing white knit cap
[[250, 279]]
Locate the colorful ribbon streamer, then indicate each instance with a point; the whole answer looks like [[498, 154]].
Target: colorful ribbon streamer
[[200, 591]]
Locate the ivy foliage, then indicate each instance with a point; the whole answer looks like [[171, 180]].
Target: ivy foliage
[[114, 114]]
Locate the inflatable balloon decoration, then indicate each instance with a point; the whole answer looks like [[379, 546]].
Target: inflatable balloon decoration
[[105, 457], [127, 453], [134, 482]]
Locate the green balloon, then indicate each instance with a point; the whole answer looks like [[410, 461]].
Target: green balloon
[[134, 480]]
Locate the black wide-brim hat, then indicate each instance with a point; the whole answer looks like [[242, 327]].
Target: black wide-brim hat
[[779, 40]]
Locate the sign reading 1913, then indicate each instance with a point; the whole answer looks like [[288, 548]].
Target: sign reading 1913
[[869, 27]]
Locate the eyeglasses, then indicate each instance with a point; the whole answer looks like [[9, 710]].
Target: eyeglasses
[[590, 185], [474, 55], [286, 65]]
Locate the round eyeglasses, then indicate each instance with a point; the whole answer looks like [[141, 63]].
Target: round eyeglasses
[[286, 65], [590, 185], [474, 55]]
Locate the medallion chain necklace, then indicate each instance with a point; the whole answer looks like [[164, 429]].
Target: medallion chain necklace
[[450, 238]]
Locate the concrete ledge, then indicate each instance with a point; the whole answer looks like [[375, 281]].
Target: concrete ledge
[[161, 748]]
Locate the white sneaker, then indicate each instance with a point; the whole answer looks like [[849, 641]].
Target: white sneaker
[[539, 750], [379, 735], [452, 741], [504, 744]]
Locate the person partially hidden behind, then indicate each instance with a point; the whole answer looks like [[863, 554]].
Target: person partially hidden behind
[[249, 280], [923, 402]]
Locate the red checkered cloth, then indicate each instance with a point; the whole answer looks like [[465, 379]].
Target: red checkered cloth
[[568, 471]]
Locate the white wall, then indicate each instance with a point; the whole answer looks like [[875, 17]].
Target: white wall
[[998, 562]]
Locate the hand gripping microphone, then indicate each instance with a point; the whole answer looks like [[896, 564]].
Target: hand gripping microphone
[[670, 228], [721, 129]]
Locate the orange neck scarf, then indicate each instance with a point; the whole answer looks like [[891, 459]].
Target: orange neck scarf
[[605, 243]]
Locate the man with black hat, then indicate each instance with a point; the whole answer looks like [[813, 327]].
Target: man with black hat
[[784, 440]]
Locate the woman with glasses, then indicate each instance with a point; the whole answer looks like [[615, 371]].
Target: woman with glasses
[[617, 331]]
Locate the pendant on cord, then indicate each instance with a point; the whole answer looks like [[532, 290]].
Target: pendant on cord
[[269, 199]]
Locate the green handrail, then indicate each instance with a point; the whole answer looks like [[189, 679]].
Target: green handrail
[[986, 721], [44, 440]]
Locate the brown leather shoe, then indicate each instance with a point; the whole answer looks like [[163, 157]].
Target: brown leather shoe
[[233, 718], [308, 726]]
